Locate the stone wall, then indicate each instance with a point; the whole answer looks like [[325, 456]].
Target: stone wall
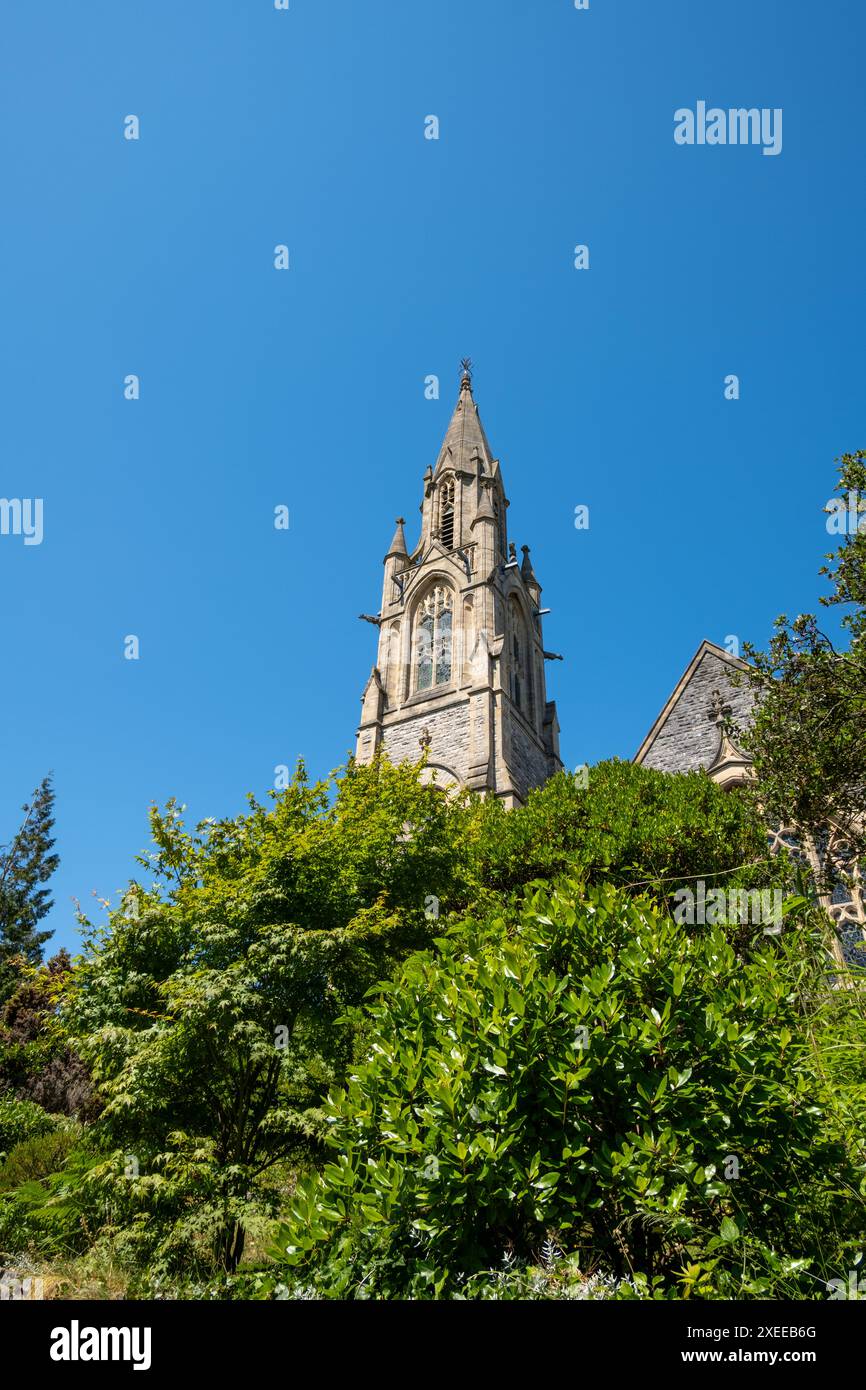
[[449, 733], [529, 763]]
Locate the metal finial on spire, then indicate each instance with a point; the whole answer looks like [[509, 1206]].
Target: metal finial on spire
[[466, 368]]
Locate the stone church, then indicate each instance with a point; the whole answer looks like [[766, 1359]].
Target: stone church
[[460, 669]]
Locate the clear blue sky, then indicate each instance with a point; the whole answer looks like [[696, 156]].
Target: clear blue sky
[[604, 387]]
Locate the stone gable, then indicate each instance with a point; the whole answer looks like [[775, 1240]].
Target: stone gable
[[685, 736]]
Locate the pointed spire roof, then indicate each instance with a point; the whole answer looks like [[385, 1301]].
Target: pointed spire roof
[[398, 544], [465, 444]]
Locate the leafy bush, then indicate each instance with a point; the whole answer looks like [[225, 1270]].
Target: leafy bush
[[20, 1120], [40, 1156], [601, 1076]]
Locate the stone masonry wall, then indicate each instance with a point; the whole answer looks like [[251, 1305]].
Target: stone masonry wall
[[449, 732], [530, 765]]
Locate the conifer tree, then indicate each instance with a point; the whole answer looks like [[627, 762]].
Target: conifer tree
[[26, 864]]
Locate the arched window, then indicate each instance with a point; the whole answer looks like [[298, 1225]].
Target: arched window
[[433, 639]]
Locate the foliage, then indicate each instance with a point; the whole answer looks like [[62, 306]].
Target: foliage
[[50, 1214], [483, 1121], [20, 1120], [630, 825], [44, 1153], [808, 740], [477, 1153], [212, 1008], [25, 865]]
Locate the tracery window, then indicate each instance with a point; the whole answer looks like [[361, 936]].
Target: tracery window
[[433, 629]]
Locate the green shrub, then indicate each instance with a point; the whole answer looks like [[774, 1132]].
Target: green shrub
[[628, 825], [601, 1076], [36, 1158], [20, 1120]]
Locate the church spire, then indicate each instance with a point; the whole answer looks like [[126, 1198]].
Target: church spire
[[465, 445], [460, 668]]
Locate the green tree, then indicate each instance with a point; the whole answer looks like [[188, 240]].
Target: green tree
[[212, 1008], [808, 739], [26, 864]]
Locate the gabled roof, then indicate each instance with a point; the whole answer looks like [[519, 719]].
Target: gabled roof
[[706, 649]]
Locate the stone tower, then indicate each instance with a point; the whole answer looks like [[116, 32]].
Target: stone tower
[[460, 667]]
